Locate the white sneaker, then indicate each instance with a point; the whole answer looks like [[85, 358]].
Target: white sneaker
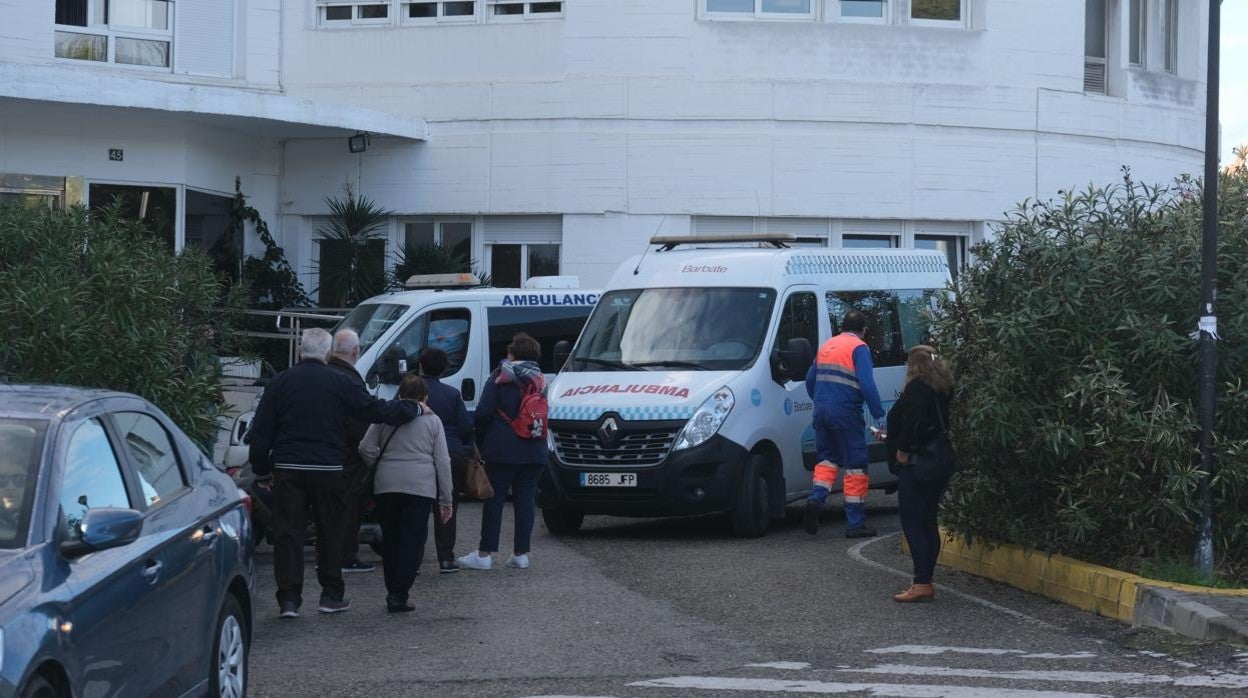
[[519, 562], [475, 562]]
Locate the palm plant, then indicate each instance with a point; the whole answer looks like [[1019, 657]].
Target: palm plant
[[430, 259], [353, 250]]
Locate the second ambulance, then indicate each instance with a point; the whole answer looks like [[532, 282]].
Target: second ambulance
[[685, 393]]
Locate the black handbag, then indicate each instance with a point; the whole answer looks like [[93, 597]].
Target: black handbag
[[937, 461], [368, 483]]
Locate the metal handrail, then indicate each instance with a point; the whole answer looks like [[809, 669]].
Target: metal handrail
[[295, 318]]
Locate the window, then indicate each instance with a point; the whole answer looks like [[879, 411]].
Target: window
[[21, 442], [454, 238], [1170, 28], [954, 247], [211, 229], [152, 453], [426, 11], [155, 207], [1095, 43], [863, 10], [446, 329], [522, 9], [370, 321], [1137, 18], [511, 265], [702, 328], [778, 9], [128, 32], [330, 13], [91, 478], [896, 320], [799, 319], [937, 11], [547, 324], [868, 242]]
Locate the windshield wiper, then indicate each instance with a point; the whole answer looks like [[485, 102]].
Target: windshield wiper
[[610, 363], [672, 364]]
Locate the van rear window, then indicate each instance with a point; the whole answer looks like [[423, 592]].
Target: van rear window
[[896, 320], [548, 325]]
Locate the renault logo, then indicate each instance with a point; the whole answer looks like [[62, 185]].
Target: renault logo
[[608, 431]]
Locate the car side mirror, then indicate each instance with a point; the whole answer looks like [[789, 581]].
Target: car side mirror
[[104, 528], [468, 390], [792, 363], [373, 380], [392, 368], [563, 350]]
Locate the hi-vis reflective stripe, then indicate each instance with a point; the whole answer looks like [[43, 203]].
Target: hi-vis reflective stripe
[[825, 474], [833, 373]]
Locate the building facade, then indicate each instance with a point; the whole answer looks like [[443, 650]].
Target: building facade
[[541, 137]]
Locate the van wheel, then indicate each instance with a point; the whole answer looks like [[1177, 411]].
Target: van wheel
[[227, 670], [751, 514], [560, 521]]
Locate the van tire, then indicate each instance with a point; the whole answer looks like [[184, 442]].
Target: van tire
[[39, 687], [562, 522], [751, 514]]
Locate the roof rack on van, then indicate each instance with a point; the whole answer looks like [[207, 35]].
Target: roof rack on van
[[442, 281], [777, 240]]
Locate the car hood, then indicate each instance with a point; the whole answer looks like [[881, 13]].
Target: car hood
[[15, 574], [633, 395]]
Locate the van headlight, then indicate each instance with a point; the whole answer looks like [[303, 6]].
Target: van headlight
[[707, 420]]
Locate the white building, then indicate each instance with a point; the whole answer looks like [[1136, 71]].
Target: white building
[[559, 136]]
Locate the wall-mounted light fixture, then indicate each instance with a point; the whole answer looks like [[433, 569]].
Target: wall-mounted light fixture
[[358, 143]]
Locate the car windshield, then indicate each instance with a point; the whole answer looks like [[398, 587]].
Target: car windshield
[[21, 443], [371, 321], [655, 329]]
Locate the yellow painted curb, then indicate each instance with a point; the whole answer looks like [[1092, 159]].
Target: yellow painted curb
[[1103, 590]]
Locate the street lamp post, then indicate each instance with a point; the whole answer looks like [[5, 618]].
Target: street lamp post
[[1208, 296]]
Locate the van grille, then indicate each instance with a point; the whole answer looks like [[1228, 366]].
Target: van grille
[[638, 448]]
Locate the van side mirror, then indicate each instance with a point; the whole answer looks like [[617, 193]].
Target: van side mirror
[[792, 363], [391, 370], [563, 350]]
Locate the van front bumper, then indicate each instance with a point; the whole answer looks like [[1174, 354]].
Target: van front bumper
[[697, 480]]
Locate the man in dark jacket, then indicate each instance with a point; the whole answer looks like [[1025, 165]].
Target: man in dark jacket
[[299, 436], [346, 352], [448, 404]]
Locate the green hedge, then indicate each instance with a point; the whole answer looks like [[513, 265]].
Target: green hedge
[[93, 300], [1076, 415]]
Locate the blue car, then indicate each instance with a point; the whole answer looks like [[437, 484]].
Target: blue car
[[125, 555]]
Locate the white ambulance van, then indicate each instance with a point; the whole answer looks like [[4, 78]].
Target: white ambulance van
[[686, 394], [472, 325]]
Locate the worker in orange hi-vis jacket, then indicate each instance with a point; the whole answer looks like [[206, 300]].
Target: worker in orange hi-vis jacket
[[841, 379]]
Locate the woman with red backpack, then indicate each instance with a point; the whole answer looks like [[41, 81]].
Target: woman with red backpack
[[511, 427]]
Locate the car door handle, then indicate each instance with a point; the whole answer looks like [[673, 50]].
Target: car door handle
[[207, 534], [151, 570]]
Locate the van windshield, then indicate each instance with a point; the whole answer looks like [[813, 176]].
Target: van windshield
[[655, 329], [371, 321]]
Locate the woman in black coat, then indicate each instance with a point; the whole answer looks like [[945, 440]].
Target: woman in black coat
[[915, 422]]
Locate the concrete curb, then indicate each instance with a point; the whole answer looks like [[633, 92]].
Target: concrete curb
[[1108, 592]]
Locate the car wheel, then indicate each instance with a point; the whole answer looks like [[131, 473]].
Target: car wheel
[[227, 675], [560, 521], [752, 512], [39, 687]]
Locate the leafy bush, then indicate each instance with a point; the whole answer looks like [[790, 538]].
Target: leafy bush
[[415, 260], [97, 301], [1076, 417]]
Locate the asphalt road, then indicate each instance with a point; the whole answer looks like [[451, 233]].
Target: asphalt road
[[653, 608]]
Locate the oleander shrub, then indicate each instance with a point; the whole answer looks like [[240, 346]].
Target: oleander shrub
[[1076, 415], [90, 299]]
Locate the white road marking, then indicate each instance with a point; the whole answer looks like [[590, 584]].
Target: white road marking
[[787, 666], [937, 649], [856, 553], [716, 683], [1218, 681]]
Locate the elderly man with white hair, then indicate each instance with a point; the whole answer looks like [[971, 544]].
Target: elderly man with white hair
[[345, 354], [300, 436]]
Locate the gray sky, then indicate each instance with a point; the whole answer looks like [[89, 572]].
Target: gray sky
[[1233, 98]]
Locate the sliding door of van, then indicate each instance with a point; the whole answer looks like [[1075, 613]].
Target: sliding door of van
[[449, 328]]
